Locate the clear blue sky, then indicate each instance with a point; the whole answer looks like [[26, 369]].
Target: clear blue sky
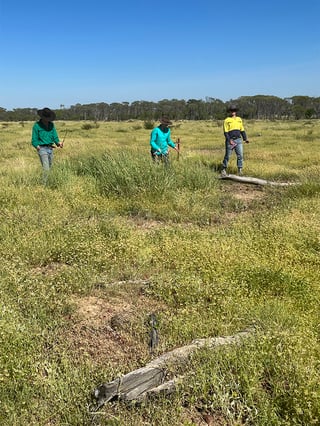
[[67, 52]]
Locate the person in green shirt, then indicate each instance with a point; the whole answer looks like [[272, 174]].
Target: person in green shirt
[[45, 138], [160, 141]]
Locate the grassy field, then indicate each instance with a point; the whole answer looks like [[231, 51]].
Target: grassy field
[[112, 238]]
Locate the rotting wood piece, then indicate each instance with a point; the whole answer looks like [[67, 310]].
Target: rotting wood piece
[[130, 386], [138, 384], [255, 181]]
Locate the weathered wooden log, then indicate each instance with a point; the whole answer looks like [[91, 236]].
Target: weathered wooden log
[[255, 181], [166, 388], [139, 383], [130, 386]]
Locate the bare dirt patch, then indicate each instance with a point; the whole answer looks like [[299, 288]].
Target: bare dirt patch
[[50, 269], [244, 192], [197, 418], [147, 224], [111, 329]]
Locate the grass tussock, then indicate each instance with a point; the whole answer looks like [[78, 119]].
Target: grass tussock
[[113, 237]]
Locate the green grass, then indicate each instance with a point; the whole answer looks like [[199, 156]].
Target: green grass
[[114, 236]]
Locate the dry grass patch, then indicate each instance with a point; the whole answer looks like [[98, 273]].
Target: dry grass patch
[[146, 224], [50, 269]]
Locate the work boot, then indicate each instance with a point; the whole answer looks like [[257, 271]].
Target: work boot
[[223, 173], [240, 171]]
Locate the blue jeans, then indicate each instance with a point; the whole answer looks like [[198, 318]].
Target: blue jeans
[[238, 148], [46, 158]]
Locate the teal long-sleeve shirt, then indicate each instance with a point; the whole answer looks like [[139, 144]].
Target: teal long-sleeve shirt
[[160, 140], [44, 136]]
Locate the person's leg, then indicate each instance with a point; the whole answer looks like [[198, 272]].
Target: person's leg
[[228, 151], [239, 152], [165, 159], [46, 158], [50, 157], [155, 157]]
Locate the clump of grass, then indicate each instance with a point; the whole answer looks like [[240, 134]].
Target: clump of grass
[[146, 189], [126, 174], [60, 175], [276, 283], [136, 127], [239, 383], [148, 125], [89, 126]]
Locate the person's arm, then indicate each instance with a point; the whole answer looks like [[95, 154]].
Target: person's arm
[[170, 141], [243, 132], [153, 139], [35, 136], [55, 137], [244, 136], [226, 130]]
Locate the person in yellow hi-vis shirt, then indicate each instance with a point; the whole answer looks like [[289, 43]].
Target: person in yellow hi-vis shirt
[[234, 133]]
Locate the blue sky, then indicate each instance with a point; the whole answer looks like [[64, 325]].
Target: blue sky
[[68, 52]]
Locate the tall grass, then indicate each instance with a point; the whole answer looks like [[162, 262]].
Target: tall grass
[[130, 174]]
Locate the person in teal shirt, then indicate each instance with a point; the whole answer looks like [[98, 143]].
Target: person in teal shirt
[[160, 141], [45, 138]]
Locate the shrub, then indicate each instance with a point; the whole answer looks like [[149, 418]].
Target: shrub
[[148, 125], [87, 126]]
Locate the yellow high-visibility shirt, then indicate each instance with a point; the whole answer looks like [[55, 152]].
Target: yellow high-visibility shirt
[[233, 128], [233, 123]]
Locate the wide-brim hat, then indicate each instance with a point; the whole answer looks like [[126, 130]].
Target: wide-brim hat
[[47, 113], [232, 108], [165, 121]]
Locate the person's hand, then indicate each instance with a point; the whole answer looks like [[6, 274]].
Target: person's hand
[[60, 145], [247, 141], [232, 143], [38, 148]]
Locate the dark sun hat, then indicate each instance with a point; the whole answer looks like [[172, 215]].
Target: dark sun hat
[[47, 113], [165, 121], [232, 108]]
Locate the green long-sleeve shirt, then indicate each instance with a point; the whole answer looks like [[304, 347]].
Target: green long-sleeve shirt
[[160, 140], [44, 136]]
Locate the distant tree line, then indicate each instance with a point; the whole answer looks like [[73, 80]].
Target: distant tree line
[[250, 107]]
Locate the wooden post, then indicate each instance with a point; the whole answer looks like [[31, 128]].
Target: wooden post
[[178, 145]]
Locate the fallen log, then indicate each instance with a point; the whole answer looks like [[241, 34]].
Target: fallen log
[[255, 181], [138, 384]]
